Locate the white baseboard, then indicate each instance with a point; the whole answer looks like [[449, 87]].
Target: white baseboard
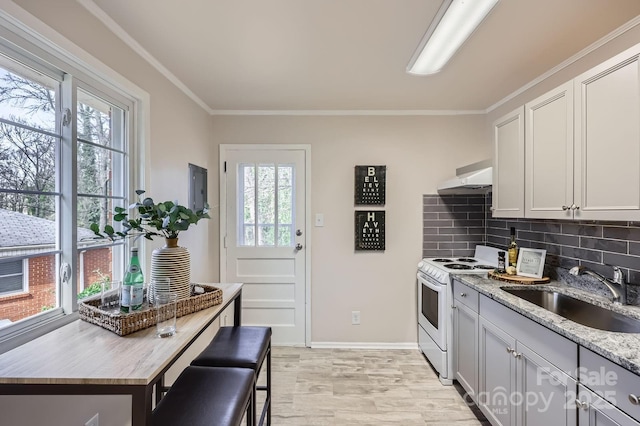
[[363, 345]]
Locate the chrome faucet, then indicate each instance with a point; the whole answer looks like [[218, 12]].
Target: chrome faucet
[[619, 293]]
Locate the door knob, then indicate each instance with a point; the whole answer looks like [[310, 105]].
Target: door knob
[[298, 246]]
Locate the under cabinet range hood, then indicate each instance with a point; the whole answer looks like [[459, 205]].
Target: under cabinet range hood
[[475, 178]]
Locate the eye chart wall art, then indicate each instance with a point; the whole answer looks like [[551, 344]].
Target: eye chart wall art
[[370, 185], [369, 230]]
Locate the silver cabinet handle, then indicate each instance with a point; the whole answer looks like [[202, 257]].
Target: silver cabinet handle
[[463, 294], [510, 351], [634, 399], [565, 208], [516, 355], [574, 207], [298, 246], [582, 405], [454, 307]]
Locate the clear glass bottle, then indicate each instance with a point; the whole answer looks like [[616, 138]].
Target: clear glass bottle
[[132, 285], [513, 249]]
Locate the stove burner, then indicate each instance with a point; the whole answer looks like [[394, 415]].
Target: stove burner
[[442, 260], [466, 259], [457, 266], [487, 267]]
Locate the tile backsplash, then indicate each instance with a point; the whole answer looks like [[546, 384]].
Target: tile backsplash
[[454, 224]]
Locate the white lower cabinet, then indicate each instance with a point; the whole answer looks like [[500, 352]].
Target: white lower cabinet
[[520, 373], [497, 379], [517, 384], [465, 334], [595, 411]]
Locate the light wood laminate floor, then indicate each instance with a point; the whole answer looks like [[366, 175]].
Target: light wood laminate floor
[[362, 387]]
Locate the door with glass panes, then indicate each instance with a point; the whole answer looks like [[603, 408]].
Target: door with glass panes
[[264, 235]]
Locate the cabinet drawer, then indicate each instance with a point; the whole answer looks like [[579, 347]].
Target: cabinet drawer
[[610, 381], [466, 295]]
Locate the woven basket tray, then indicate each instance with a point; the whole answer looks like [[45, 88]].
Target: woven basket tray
[[123, 324]]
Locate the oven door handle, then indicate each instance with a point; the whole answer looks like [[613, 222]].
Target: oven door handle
[[425, 280]]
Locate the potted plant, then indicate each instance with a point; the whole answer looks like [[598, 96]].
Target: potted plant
[[166, 219]]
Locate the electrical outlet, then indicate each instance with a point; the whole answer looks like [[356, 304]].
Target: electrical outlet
[[93, 421], [355, 317], [319, 219], [224, 320]]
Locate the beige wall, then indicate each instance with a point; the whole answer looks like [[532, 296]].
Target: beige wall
[[418, 151]]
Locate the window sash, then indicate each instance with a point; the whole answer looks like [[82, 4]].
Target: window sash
[[28, 49]]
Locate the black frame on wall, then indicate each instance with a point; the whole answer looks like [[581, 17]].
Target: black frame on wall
[[370, 182], [369, 230]]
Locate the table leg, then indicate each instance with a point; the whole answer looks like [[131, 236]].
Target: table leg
[[237, 309], [141, 406]]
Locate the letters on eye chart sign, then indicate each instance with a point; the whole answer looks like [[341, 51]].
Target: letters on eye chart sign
[[370, 185], [369, 230]]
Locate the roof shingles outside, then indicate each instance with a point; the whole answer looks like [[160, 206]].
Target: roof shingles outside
[[20, 230]]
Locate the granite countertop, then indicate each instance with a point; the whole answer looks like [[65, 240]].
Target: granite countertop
[[621, 348]]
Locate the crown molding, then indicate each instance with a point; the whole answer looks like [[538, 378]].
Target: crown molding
[[581, 54], [96, 11], [349, 112], [119, 32]]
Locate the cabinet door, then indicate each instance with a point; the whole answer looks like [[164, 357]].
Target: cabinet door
[[508, 165], [549, 155], [546, 395], [465, 348], [595, 411], [607, 140], [497, 374]]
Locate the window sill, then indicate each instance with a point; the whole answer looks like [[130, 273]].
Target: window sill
[[15, 296]]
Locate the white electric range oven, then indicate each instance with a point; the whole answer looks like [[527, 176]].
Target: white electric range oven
[[435, 298]]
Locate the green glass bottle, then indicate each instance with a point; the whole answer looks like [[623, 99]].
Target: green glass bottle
[[132, 285]]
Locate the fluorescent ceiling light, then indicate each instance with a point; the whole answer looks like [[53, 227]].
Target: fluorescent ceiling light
[[450, 28]]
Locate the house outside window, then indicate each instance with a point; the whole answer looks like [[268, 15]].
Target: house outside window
[[66, 159]]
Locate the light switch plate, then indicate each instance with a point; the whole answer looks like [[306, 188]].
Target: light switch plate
[[319, 219]]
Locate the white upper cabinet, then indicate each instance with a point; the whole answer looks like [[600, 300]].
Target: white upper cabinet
[[508, 170], [549, 155], [607, 140], [581, 146]]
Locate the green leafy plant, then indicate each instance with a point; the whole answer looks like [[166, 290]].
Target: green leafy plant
[[166, 219], [96, 286]]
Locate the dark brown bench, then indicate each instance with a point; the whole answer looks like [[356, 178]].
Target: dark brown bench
[[242, 347], [208, 396]]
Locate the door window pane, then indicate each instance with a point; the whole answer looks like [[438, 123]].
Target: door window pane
[[285, 205], [265, 197]]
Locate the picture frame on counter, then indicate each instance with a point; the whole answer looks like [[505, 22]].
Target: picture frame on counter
[[531, 262]]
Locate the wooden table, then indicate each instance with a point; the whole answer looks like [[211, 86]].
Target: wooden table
[[84, 359]]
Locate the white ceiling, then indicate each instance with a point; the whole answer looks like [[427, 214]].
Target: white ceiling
[[247, 55]]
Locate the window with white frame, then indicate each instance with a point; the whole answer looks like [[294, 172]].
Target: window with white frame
[[12, 278], [65, 160]]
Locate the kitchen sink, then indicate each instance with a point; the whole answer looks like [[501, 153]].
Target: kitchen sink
[[577, 310]]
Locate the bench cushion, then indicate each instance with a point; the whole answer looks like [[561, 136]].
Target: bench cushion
[[242, 346], [206, 396]]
